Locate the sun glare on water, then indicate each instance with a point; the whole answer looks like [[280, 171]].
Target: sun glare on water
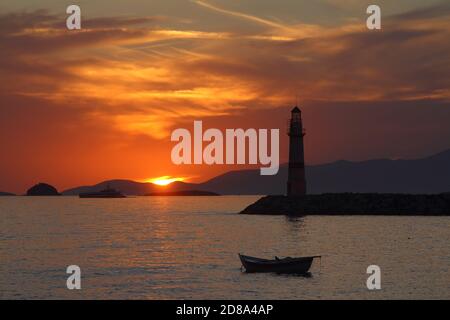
[[164, 180]]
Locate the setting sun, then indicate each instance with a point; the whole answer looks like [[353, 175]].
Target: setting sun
[[164, 180]]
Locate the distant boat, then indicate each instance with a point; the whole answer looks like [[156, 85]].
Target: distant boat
[[106, 193], [286, 265]]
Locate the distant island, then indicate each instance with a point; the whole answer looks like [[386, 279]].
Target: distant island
[[129, 187], [6, 194], [353, 204], [42, 189], [183, 193]]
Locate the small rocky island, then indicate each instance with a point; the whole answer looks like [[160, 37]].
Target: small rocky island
[[42, 189], [353, 204]]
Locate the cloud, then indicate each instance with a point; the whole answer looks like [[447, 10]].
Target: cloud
[[141, 76], [241, 15], [429, 12]]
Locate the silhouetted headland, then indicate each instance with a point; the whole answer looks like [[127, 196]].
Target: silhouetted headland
[[6, 194], [353, 204], [42, 189], [185, 193]]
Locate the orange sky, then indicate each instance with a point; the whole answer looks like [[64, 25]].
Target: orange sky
[[79, 107]]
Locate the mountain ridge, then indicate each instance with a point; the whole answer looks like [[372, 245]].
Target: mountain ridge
[[430, 174]]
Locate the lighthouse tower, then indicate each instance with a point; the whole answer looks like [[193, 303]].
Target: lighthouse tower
[[296, 184]]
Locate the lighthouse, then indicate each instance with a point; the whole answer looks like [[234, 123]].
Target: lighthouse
[[296, 184]]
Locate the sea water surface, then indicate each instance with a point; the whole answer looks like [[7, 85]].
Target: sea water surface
[[186, 248]]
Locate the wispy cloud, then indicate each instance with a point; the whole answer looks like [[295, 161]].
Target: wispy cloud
[[241, 15], [140, 76]]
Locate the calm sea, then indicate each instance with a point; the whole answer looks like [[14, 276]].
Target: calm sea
[[186, 248]]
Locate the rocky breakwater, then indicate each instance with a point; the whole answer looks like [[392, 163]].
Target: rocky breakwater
[[353, 204]]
